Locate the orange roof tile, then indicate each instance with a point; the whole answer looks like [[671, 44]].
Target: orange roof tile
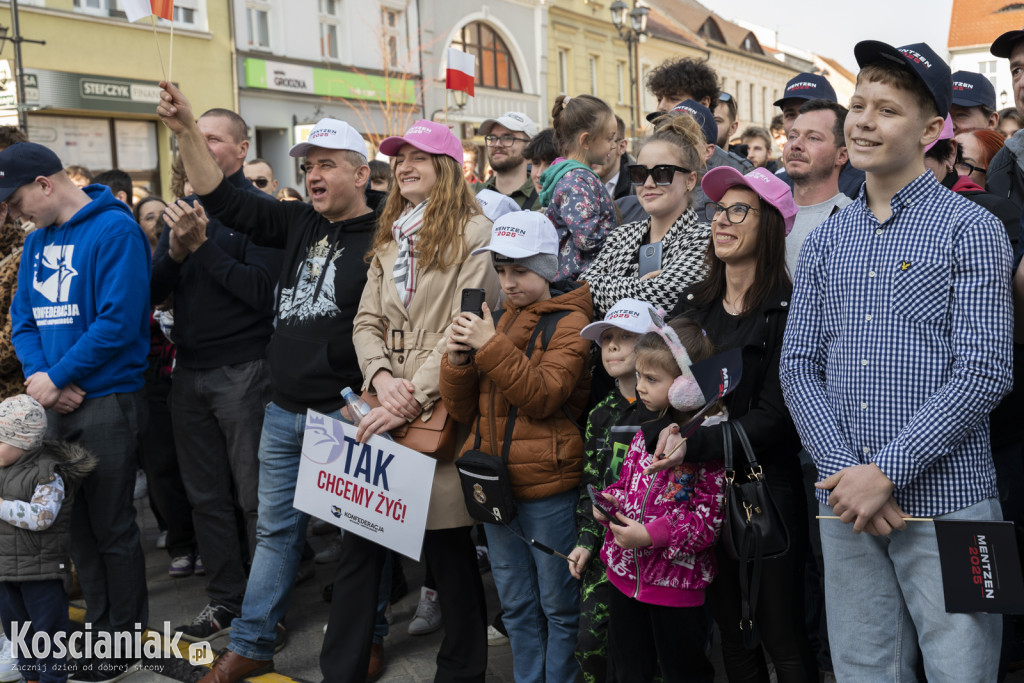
[[979, 22]]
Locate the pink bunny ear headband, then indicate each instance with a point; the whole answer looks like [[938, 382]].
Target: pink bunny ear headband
[[685, 393]]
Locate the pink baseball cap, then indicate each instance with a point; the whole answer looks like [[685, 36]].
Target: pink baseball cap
[[765, 183], [434, 138], [946, 134]]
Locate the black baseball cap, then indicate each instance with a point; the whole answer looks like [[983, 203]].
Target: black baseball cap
[[807, 86], [1004, 44], [701, 114], [922, 61], [23, 162], [972, 90]]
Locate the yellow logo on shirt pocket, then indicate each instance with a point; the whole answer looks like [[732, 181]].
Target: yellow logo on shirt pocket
[[921, 293]]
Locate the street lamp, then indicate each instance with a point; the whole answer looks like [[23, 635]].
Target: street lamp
[[631, 34]]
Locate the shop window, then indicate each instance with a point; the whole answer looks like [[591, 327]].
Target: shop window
[[495, 66]]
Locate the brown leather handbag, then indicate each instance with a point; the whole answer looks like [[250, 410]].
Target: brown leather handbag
[[435, 437]]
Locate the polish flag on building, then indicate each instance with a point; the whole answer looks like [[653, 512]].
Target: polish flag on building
[[139, 9], [461, 71]]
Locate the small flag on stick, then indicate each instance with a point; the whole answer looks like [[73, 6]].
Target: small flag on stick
[[140, 9], [461, 71], [163, 9]]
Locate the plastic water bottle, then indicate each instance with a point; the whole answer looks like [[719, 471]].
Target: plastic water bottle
[[358, 408]]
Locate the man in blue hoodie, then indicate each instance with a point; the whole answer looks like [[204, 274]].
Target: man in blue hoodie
[[81, 330]]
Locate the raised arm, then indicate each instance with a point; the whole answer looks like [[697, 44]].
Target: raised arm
[[176, 112]]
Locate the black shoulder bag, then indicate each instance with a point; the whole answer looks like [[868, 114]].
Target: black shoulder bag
[[485, 481], [753, 529]]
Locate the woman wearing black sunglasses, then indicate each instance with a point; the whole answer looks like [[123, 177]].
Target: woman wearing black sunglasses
[[656, 258]]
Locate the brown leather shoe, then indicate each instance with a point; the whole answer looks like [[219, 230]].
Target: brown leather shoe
[[232, 667], [376, 669]]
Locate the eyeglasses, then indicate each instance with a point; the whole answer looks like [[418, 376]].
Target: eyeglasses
[[964, 168], [737, 213], [724, 97], [260, 182], [505, 140], [662, 173]]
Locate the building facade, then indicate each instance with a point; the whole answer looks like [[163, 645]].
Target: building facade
[[972, 28], [301, 60], [508, 39], [91, 91]]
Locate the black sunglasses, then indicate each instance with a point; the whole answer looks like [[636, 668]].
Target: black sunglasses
[[260, 182], [662, 173]]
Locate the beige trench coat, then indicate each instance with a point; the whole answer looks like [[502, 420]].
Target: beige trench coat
[[410, 343]]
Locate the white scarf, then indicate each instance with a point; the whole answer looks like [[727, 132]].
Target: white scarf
[[404, 231]]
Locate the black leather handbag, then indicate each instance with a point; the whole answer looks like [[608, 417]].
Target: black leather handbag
[[753, 529]]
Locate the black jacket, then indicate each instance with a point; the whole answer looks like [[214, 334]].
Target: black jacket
[[223, 292], [311, 352], [757, 401], [623, 188], [1005, 177]]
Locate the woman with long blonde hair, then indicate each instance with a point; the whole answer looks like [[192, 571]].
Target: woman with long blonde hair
[[419, 264]]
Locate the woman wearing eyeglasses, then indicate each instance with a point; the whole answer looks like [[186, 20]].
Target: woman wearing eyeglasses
[[742, 302], [654, 259]]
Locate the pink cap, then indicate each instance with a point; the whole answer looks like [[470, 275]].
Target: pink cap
[[765, 183], [946, 134], [435, 138]]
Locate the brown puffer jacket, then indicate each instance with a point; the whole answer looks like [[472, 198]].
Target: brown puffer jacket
[[546, 456]]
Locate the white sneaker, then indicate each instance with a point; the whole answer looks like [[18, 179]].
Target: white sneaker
[[496, 637], [428, 614], [8, 662]]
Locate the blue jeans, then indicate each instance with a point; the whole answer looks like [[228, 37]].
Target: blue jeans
[[280, 534], [540, 598], [885, 599]]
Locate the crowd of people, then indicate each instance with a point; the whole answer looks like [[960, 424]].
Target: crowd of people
[[866, 278]]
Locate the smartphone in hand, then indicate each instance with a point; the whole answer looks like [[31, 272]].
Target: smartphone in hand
[[602, 504], [473, 301]]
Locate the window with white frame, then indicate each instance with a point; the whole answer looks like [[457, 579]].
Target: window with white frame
[[563, 71], [329, 28], [594, 71], [102, 8], [391, 20], [257, 21], [190, 14], [988, 69]]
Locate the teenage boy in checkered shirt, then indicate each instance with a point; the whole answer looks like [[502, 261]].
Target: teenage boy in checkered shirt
[[898, 346]]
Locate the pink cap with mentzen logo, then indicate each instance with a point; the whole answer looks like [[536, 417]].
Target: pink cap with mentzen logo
[[430, 137], [765, 183]]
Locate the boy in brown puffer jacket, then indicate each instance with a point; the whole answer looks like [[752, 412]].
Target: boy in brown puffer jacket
[[545, 461]]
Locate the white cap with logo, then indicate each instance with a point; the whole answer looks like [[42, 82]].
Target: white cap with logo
[[331, 134], [513, 120], [520, 234], [628, 314]]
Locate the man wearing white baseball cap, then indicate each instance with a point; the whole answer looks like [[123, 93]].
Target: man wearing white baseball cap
[[506, 137], [545, 451], [311, 354]]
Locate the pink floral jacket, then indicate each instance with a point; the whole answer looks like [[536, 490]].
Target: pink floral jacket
[[682, 509]]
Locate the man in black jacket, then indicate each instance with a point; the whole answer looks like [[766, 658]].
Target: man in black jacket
[[223, 287], [311, 353]]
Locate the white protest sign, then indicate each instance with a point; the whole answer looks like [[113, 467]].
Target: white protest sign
[[378, 490]]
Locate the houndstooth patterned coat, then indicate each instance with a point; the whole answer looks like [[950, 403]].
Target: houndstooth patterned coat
[[614, 274]]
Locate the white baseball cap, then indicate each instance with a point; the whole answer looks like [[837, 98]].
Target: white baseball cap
[[495, 204], [520, 234], [628, 314], [331, 134], [513, 120]]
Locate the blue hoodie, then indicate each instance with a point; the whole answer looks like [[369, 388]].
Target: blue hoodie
[[81, 312]]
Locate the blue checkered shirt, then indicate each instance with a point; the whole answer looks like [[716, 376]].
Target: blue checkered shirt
[[898, 345]]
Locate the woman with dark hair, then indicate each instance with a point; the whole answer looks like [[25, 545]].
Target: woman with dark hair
[[419, 264], [149, 214], [742, 302]]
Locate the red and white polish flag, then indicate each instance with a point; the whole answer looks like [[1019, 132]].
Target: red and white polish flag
[[140, 9], [461, 71]]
